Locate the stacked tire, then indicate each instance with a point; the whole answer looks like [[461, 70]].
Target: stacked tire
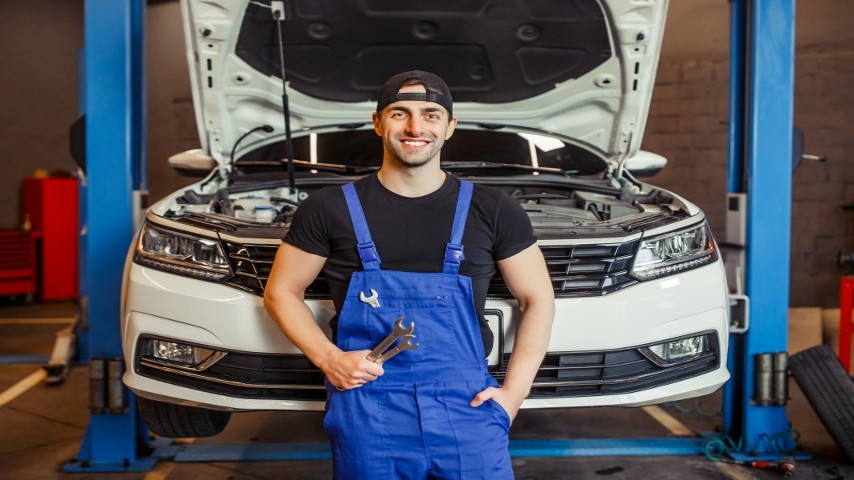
[[830, 391]]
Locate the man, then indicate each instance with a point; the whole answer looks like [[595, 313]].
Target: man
[[412, 241]]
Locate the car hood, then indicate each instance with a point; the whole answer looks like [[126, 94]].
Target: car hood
[[579, 69]]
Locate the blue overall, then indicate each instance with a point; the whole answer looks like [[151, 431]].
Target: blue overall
[[416, 421]]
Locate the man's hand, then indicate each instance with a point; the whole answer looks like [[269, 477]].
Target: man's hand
[[510, 401], [346, 370]]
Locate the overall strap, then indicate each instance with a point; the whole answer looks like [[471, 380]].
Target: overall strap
[[454, 249], [367, 251]]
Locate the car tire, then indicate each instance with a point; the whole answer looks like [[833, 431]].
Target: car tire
[[830, 391], [179, 421]]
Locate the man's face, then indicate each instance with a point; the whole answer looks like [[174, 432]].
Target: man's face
[[413, 132]]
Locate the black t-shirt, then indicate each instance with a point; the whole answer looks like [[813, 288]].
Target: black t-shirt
[[411, 234]]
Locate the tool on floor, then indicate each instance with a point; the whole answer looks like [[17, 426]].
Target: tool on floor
[[784, 465], [381, 352]]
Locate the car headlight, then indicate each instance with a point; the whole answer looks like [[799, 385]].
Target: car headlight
[[675, 252], [181, 253]]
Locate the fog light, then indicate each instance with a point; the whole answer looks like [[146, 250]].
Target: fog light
[[677, 351], [179, 352]]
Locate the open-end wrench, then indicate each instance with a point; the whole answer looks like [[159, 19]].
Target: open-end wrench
[[405, 344], [373, 300], [398, 331]]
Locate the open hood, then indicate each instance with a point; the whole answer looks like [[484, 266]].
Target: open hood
[[580, 69]]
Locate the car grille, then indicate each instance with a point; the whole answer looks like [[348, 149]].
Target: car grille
[[606, 373], [582, 270], [293, 377], [576, 271], [252, 264]]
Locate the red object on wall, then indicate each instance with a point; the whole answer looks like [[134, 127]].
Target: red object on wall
[[51, 204], [17, 263], [846, 327]]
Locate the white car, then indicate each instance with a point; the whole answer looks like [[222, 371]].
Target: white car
[[552, 99]]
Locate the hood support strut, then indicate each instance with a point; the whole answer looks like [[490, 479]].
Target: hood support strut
[[279, 16]]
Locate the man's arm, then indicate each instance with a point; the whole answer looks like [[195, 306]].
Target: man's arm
[[528, 279], [293, 271]]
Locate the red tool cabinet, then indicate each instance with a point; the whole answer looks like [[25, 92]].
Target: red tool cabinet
[[51, 204], [17, 263]]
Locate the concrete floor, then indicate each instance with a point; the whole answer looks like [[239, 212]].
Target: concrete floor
[[43, 427]]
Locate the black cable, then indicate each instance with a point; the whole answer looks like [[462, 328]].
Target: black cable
[[266, 128]]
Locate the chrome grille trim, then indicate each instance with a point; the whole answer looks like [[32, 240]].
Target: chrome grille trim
[[234, 383], [588, 270]]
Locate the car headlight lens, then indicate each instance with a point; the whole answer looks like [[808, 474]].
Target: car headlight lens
[[679, 350], [179, 352], [181, 253], [675, 252]]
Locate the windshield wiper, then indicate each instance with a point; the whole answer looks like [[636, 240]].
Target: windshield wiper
[[306, 165], [467, 166]]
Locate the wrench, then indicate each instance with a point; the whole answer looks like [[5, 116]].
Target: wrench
[[399, 331], [405, 344], [373, 300]]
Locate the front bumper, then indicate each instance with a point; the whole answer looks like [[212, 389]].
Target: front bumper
[[220, 317]]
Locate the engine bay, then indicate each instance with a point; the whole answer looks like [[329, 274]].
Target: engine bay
[[552, 207]]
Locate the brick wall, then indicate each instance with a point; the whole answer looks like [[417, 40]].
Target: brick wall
[[688, 125], [824, 110]]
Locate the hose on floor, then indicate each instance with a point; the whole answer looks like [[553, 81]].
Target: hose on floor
[[716, 446]]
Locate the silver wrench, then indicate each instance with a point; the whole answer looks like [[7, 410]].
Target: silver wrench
[[405, 344], [373, 300], [398, 331]]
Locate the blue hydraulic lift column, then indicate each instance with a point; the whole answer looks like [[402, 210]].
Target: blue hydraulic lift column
[[735, 168], [114, 107], [760, 164]]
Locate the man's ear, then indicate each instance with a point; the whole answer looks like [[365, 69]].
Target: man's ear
[[377, 127], [451, 126]]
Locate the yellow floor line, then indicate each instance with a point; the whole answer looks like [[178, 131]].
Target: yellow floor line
[[160, 472], [665, 419], [163, 469], [681, 430], [37, 321], [21, 387]]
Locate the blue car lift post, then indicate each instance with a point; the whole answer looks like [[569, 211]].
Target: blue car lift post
[[760, 165], [113, 102], [761, 109]]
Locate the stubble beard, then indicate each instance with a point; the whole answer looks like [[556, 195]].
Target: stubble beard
[[416, 161]]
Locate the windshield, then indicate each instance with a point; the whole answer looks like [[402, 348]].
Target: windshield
[[363, 148]]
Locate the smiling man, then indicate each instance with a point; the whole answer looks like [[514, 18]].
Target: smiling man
[[415, 125], [415, 247]]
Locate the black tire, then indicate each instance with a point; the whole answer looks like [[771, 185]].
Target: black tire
[[179, 421], [830, 391]]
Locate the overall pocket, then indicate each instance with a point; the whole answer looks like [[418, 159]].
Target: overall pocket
[[435, 329]]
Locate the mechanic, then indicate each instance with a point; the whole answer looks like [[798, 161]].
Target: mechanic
[[415, 242]]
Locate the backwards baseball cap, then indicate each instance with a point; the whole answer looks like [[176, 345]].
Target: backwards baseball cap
[[437, 90]]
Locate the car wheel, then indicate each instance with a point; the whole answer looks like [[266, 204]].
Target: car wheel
[[179, 421], [830, 391]]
